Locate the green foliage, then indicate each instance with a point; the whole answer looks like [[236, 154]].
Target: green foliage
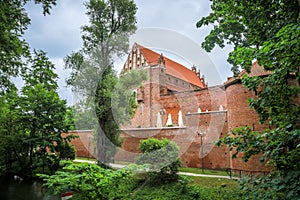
[[83, 116], [89, 181], [246, 25], [186, 188], [111, 22], [164, 191], [41, 72], [32, 122], [93, 78], [108, 132], [215, 193], [66, 151], [14, 50], [160, 158], [245, 140], [124, 98], [69, 118], [269, 32], [273, 186]]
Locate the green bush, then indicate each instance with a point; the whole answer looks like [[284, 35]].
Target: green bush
[[90, 181], [160, 158], [67, 151], [163, 191]]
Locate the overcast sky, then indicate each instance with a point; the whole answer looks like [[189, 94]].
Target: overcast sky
[[168, 26]]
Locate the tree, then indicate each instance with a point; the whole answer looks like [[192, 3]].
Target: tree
[[10, 145], [33, 121], [93, 76], [160, 157], [69, 118], [269, 32], [13, 49], [43, 112]]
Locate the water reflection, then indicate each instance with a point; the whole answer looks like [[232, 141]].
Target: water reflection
[[14, 188]]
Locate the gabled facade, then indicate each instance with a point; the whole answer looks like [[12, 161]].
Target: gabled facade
[[173, 77]]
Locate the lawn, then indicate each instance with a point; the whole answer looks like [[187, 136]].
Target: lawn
[[188, 188], [206, 171]]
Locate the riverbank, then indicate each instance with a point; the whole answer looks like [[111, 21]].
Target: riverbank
[[13, 187]]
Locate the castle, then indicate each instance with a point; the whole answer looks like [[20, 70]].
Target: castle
[[176, 103]]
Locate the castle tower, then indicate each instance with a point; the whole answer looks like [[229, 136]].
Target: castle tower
[[240, 114]]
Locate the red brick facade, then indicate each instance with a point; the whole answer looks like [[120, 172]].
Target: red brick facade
[[84, 144], [223, 108], [212, 122]]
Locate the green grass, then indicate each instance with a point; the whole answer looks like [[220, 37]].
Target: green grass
[[83, 158], [188, 188], [206, 171], [214, 182], [123, 162]]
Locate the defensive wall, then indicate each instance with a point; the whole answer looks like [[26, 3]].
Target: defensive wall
[[223, 108]]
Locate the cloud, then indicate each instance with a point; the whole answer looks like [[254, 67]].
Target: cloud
[[59, 33], [63, 91]]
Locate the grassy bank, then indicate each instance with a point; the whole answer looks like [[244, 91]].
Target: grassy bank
[[188, 188], [90, 181]]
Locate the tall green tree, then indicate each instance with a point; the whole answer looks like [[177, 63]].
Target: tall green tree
[[13, 49], [93, 77], [33, 121], [10, 127], [269, 32], [43, 112]]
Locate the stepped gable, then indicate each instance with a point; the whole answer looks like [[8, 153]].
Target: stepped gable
[[172, 68]]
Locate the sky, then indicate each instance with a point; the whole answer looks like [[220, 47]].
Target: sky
[[166, 26]]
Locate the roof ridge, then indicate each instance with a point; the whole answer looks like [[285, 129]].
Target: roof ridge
[[173, 68], [163, 55]]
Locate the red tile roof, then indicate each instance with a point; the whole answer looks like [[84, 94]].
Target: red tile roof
[[172, 68]]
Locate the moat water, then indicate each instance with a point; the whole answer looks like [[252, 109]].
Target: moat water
[[15, 188]]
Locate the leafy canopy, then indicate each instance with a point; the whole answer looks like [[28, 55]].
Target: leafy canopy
[[32, 122], [269, 32], [14, 50]]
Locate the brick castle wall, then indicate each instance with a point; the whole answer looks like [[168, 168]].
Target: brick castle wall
[[213, 124], [240, 114], [84, 144]]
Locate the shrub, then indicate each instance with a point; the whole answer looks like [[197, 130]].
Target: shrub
[[90, 181], [67, 151], [160, 157]]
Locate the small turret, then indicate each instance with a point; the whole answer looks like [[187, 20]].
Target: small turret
[[194, 68], [161, 59]]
